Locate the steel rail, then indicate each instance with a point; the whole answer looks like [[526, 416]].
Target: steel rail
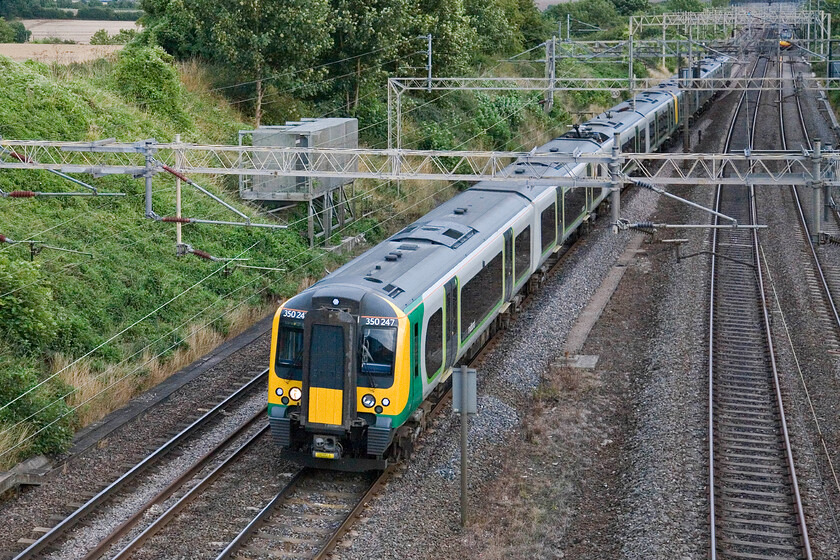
[[800, 512], [801, 211], [262, 517], [170, 489], [767, 331], [187, 498], [712, 517], [105, 494]]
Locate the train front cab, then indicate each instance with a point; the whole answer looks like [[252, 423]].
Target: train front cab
[[340, 378]]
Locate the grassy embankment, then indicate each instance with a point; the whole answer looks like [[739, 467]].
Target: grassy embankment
[[133, 313]]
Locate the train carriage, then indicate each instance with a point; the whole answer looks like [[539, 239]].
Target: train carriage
[[355, 358]]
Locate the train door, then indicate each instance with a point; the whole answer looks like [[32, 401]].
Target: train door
[[508, 264], [329, 368], [450, 298]]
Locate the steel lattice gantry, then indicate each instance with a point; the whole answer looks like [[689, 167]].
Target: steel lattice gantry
[[148, 157], [816, 168]]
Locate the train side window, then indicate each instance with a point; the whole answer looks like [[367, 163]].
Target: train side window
[[434, 343], [480, 295], [548, 226], [289, 360], [574, 205], [416, 349], [522, 250]]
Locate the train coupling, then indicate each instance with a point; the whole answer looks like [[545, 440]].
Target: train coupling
[[326, 447]]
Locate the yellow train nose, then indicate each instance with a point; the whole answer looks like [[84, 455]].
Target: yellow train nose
[[325, 405]]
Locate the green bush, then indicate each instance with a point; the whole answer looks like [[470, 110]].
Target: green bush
[[124, 36], [27, 322], [436, 136], [147, 77], [50, 414]]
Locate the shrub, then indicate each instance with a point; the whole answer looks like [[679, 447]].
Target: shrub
[[147, 77], [50, 415], [123, 37], [26, 319]]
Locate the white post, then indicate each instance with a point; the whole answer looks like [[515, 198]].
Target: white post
[[179, 164]]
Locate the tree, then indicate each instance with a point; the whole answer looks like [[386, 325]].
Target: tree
[[275, 40], [13, 32], [685, 6], [367, 35], [454, 39], [600, 13], [497, 25], [630, 7]]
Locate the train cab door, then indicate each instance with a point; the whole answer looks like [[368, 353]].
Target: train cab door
[[508, 264], [450, 297], [329, 368]]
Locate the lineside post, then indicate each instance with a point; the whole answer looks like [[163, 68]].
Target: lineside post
[[615, 182], [817, 209], [147, 175], [464, 400], [688, 92], [179, 163], [631, 77], [550, 70]]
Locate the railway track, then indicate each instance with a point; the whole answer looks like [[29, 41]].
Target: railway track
[[755, 507], [823, 281], [151, 465], [310, 515]]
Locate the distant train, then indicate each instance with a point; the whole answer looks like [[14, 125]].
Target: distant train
[[785, 38], [356, 357]]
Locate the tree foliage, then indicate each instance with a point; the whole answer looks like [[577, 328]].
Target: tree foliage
[[13, 32], [337, 49], [685, 5], [585, 14], [630, 7]]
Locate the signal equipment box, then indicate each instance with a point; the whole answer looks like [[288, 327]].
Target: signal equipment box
[[316, 133]]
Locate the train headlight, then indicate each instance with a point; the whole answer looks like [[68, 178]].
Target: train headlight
[[386, 401], [295, 393], [368, 401], [279, 391]]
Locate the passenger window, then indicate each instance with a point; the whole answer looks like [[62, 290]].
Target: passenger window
[[548, 227], [574, 205], [522, 249], [480, 295], [379, 346], [434, 343], [289, 360]]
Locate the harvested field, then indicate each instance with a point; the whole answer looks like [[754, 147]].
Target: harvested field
[[61, 54], [75, 30]]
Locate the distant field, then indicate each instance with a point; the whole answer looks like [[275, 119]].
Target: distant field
[[80, 30], [62, 54]]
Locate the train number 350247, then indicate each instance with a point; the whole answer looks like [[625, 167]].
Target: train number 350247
[[379, 322]]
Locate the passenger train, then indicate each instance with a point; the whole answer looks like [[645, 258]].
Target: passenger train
[[356, 357]]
